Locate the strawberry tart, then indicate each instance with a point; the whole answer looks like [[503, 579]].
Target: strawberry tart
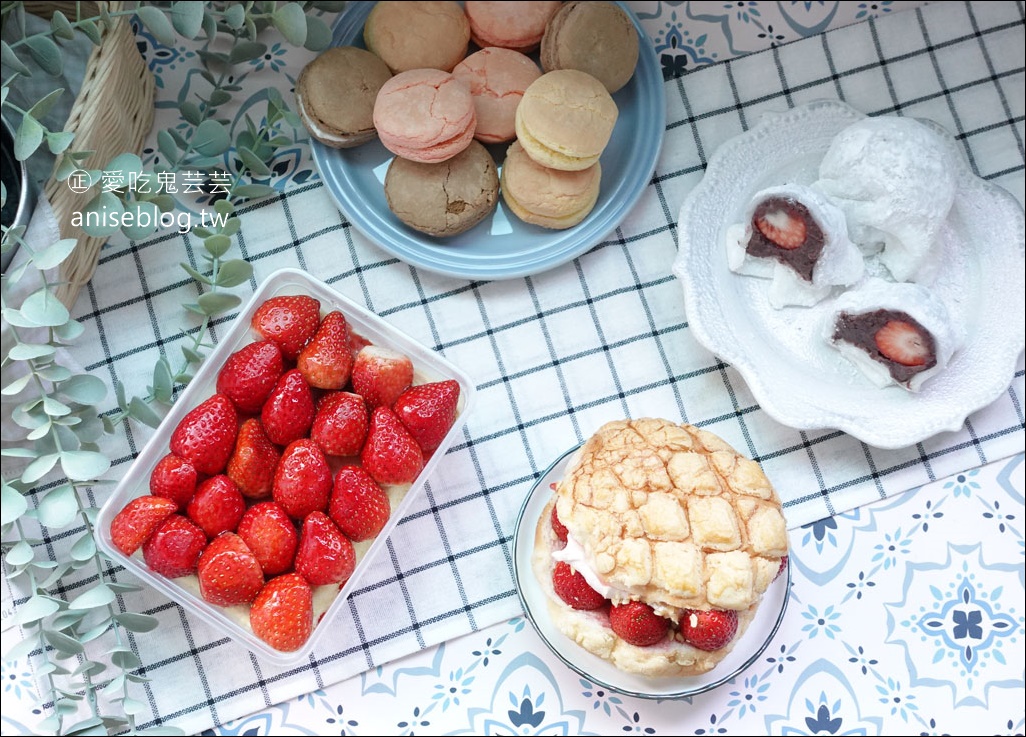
[[657, 547]]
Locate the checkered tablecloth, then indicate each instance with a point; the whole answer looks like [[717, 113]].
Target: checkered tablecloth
[[557, 354]]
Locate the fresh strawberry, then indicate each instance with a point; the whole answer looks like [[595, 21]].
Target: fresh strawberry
[[358, 505], [174, 548], [252, 464], [302, 482], [708, 629], [356, 343], [390, 454], [282, 613], [270, 533], [206, 435], [289, 410], [325, 361], [558, 527], [249, 375], [428, 411], [228, 571], [174, 478], [904, 343], [571, 587], [783, 567], [340, 425], [138, 520], [217, 506], [289, 321], [380, 375], [324, 554], [782, 226], [637, 623]]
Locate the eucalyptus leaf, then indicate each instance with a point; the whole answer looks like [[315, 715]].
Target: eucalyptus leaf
[[55, 575], [123, 588], [35, 609], [219, 97], [217, 245], [135, 622], [102, 216], [132, 706], [210, 138], [43, 308], [19, 651], [157, 23], [224, 207], [51, 667], [28, 351], [54, 254], [167, 146], [58, 141], [46, 54], [163, 388], [39, 468], [59, 508], [209, 26], [66, 619], [215, 303], [62, 643], [195, 274], [20, 554], [41, 431], [318, 35], [84, 388], [45, 104], [191, 112], [61, 26], [54, 372], [16, 386], [12, 504], [97, 596], [11, 60], [232, 226], [291, 21], [145, 220], [84, 465], [27, 139], [89, 27], [90, 667], [125, 659], [113, 686], [142, 412], [233, 273], [55, 407], [253, 162], [246, 50], [187, 18], [69, 331], [125, 164]]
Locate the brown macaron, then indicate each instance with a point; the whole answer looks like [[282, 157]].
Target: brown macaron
[[335, 95], [594, 37], [445, 198], [417, 35]]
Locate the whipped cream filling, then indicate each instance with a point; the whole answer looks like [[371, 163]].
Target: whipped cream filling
[[312, 124], [575, 557]]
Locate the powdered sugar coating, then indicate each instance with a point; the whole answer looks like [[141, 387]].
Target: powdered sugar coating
[[895, 180]]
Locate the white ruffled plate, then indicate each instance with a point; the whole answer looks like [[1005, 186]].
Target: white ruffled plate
[[796, 378], [601, 672]]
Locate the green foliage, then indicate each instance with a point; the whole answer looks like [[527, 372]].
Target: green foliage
[[59, 410]]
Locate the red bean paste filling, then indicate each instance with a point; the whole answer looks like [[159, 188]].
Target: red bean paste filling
[[860, 330], [803, 258]]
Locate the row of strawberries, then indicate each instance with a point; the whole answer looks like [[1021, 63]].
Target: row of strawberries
[[226, 501], [637, 622]]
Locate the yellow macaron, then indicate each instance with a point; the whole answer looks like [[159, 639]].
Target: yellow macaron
[[565, 119], [547, 197]]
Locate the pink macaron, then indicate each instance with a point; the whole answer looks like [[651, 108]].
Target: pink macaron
[[497, 79], [511, 25], [425, 115]]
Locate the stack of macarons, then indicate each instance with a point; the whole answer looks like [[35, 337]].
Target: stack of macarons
[[435, 107]]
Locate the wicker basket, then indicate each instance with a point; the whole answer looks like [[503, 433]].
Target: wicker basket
[[111, 115]]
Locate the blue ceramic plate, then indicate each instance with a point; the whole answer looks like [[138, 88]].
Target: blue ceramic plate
[[502, 246], [601, 672]]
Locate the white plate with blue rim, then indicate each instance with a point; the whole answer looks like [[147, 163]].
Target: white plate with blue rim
[[600, 672]]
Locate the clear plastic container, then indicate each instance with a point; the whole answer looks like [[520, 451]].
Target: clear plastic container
[[234, 621]]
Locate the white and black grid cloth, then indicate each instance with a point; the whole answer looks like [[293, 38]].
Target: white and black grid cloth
[[557, 354]]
